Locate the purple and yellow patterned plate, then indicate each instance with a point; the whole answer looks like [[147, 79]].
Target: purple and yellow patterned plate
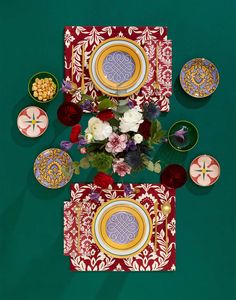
[[122, 228], [199, 78], [48, 168], [118, 67]]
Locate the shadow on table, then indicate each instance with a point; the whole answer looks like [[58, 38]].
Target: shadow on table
[[112, 286], [41, 279], [167, 155], [186, 100], [41, 192], [197, 190]]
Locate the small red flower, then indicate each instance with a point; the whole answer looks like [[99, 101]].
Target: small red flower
[[103, 180], [105, 115], [145, 129], [75, 132]]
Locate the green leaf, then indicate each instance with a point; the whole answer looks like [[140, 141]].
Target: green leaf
[[122, 109], [84, 163], [75, 166], [105, 104], [157, 167], [100, 98], [123, 102], [86, 97]]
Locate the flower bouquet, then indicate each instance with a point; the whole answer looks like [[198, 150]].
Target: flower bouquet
[[118, 140]]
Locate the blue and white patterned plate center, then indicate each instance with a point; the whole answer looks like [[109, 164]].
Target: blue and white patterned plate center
[[122, 227], [118, 67]]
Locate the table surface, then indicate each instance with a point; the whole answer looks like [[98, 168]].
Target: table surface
[[31, 217]]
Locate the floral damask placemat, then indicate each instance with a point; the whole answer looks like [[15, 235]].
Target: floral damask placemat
[[147, 37], [91, 258]]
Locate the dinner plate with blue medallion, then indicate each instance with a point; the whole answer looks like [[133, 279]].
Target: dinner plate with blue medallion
[[199, 77], [50, 166], [122, 227], [118, 67]]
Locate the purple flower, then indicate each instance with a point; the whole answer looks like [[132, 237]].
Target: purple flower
[[130, 104], [82, 142], [69, 87], [151, 111], [128, 190], [131, 146], [66, 145], [180, 134], [87, 105], [94, 196]]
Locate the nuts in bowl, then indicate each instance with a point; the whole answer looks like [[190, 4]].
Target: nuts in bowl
[[43, 87]]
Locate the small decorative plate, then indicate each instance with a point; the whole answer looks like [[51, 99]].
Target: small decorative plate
[[199, 77], [122, 227], [118, 67], [32, 121], [48, 168], [204, 170]]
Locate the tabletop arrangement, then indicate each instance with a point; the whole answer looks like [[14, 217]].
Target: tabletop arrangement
[[123, 77]]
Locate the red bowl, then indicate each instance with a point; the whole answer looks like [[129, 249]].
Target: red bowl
[[174, 176], [69, 113]]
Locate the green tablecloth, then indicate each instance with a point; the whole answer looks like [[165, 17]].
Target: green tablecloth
[[32, 265]]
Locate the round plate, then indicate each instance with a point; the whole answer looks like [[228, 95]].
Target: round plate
[[204, 170], [122, 228], [118, 67], [48, 168], [32, 121], [199, 77], [190, 138]]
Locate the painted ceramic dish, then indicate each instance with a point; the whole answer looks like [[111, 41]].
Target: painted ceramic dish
[[174, 176], [42, 75], [118, 67], [183, 142], [122, 228], [199, 78], [32, 121], [204, 170], [48, 168]]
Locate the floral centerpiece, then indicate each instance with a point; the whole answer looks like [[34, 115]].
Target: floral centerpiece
[[118, 139]]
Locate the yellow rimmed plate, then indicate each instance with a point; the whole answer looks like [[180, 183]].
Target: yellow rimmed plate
[[122, 228], [118, 67]]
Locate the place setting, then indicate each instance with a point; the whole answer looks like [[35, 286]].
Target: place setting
[[122, 77]]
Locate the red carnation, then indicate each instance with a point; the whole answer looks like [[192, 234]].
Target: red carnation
[[145, 129], [75, 132], [103, 180], [105, 115]]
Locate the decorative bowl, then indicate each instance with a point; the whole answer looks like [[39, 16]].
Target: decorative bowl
[[174, 176], [42, 75], [190, 138], [199, 77]]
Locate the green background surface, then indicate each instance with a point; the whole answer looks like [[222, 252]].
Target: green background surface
[[32, 265]]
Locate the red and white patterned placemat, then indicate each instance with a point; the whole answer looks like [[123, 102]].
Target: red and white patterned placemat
[[90, 257], [147, 37]]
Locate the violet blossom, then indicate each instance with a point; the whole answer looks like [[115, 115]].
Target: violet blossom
[[66, 145], [181, 133]]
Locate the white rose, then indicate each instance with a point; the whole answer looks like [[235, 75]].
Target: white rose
[[88, 137], [131, 120], [138, 138], [98, 129]]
